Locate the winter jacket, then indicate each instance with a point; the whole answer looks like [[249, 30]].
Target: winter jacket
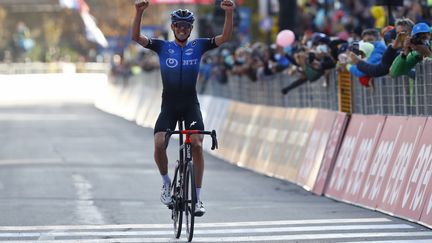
[[375, 58], [403, 65], [382, 68]]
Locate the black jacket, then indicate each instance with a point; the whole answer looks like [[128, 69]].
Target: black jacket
[[382, 68]]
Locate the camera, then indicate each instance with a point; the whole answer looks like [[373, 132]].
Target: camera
[[355, 48], [311, 57], [416, 40]]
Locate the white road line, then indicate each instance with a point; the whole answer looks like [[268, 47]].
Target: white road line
[[85, 208], [243, 238], [30, 161], [207, 232], [199, 225]]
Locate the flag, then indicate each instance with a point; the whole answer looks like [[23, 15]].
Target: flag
[[72, 4], [93, 33]]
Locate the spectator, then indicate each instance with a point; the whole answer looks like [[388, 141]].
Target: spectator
[[369, 36], [403, 26], [314, 63], [416, 48]]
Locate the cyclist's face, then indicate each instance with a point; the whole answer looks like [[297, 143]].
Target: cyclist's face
[[182, 29]]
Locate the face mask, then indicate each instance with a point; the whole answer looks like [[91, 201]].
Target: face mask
[[322, 48], [278, 56], [241, 60]]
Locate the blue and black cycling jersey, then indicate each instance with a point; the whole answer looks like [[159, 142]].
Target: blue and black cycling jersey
[[180, 66]]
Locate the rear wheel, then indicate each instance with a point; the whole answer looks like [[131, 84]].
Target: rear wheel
[[177, 207], [190, 200]]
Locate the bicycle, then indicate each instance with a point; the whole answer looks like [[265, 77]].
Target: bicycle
[[183, 189]]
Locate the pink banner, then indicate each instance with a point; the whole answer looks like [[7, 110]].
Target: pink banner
[[381, 163], [367, 142], [315, 147], [426, 216], [331, 152], [400, 159], [413, 195], [337, 180]]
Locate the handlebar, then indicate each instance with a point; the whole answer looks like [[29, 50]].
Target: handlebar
[[190, 132]]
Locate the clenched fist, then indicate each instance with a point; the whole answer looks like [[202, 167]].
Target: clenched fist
[[228, 5], [141, 5]]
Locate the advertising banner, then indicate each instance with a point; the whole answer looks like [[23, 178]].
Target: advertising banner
[[413, 195], [357, 148], [377, 174], [315, 148], [398, 171], [331, 152], [297, 139], [357, 169], [280, 155]]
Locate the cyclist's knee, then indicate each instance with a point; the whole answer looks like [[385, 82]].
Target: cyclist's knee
[[197, 144], [159, 140]]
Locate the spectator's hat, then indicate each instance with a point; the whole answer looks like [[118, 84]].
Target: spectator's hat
[[319, 37], [420, 28], [366, 47], [387, 29], [389, 35], [343, 48]]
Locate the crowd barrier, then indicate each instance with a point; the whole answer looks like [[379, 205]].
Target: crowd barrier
[[379, 162], [387, 96]]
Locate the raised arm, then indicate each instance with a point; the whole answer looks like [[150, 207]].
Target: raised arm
[[140, 6], [228, 6]]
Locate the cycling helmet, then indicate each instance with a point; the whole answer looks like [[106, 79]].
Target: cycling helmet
[[182, 15], [420, 28]]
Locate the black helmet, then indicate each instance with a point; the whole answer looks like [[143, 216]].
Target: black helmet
[[182, 15]]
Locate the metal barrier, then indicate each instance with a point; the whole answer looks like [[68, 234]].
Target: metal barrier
[[397, 96], [388, 96], [267, 91]]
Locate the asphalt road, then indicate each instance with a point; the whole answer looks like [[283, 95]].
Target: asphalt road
[[71, 173]]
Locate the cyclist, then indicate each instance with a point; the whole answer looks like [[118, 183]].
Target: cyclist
[[179, 64]]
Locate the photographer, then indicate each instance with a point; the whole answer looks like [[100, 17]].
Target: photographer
[[313, 63], [416, 48], [371, 36], [395, 38]]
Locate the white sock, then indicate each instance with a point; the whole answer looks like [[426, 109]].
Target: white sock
[[166, 179], [198, 191]]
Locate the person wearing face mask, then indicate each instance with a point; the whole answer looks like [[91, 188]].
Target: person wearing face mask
[[371, 36], [279, 59], [395, 38], [365, 51], [179, 65], [314, 64], [416, 48]]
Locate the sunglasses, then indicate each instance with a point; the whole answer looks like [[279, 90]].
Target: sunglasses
[[183, 24]]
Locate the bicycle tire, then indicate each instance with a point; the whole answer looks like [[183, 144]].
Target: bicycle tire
[[190, 200], [177, 210]]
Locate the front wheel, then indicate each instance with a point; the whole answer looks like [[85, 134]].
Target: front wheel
[[177, 207], [190, 200]]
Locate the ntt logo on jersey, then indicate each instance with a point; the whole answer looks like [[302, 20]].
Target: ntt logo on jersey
[[171, 62], [189, 52], [190, 62]]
